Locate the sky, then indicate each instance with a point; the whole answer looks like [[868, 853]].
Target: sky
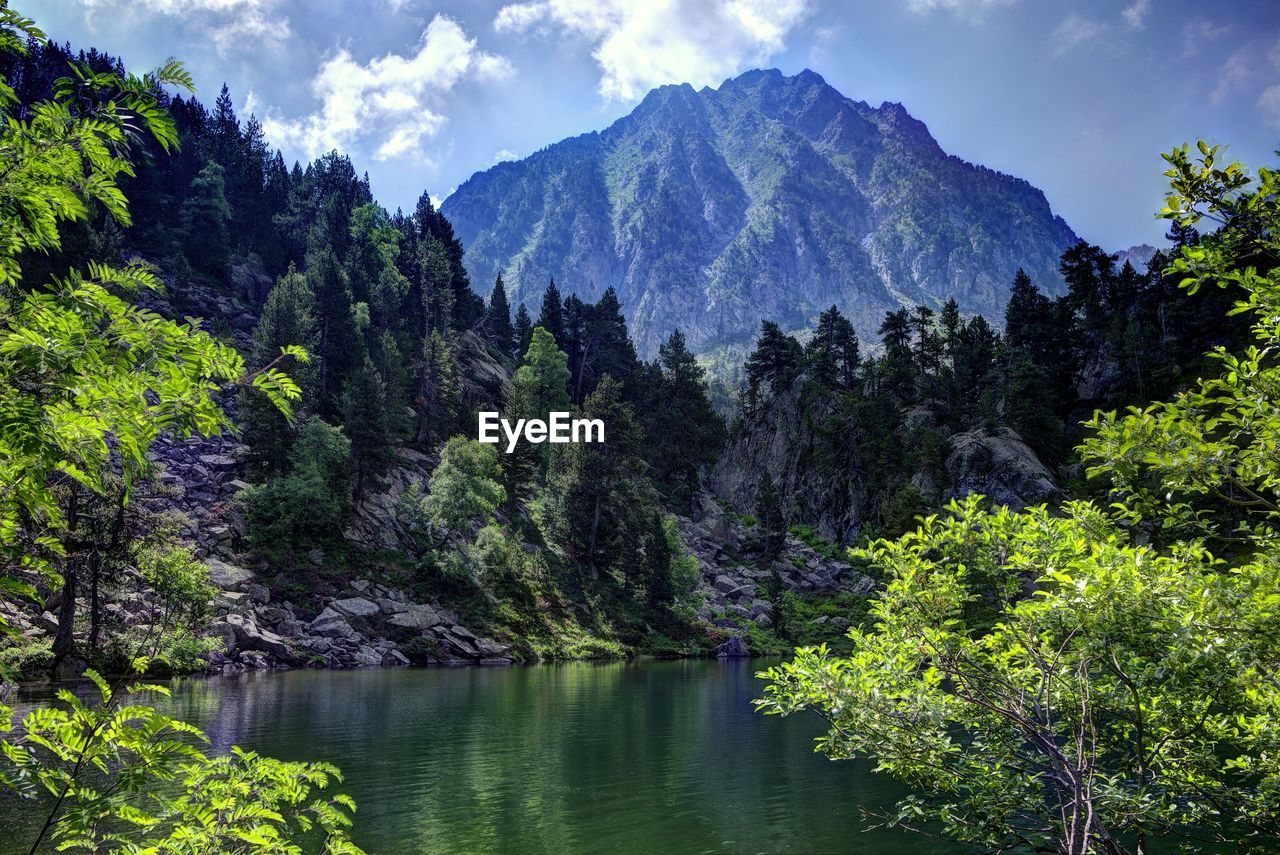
[[1079, 98]]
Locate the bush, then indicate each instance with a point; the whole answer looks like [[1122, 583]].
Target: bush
[[27, 660]]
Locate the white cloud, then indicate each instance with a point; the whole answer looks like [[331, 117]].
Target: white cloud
[[503, 154], [642, 45], [1269, 105], [393, 99], [1250, 68], [1135, 15], [972, 9], [229, 23], [1076, 31], [1197, 32]]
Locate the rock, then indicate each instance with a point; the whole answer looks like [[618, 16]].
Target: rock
[[249, 636], [415, 617], [227, 577], [217, 461], [335, 627], [490, 648], [1000, 466], [724, 584], [734, 648], [231, 600], [47, 621], [259, 594], [356, 607], [394, 659]]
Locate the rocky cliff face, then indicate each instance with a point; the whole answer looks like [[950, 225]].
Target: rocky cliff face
[[821, 476], [809, 445], [770, 197]]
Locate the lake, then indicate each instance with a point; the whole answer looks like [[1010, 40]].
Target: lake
[[645, 756]]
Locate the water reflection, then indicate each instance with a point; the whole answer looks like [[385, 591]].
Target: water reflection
[[579, 757]]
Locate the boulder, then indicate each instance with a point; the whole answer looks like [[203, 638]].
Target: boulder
[[394, 659], [356, 607], [227, 577], [249, 636], [415, 617], [1000, 466], [734, 648], [724, 584]]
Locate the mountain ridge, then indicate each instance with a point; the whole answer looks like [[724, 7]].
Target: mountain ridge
[[768, 197]]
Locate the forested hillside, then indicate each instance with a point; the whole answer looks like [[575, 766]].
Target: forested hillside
[[657, 540]]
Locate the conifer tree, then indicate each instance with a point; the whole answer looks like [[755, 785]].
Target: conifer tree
[[366, 424], [338, 346], [523, 331], [437, 389], [437, 289], [777, 360], [522, 467], [551, 317], [499, 319], [206, 220], [897, 366], [685, 433], [546, 368], [597, 507], [288, 318], [769, 516], [832, 353]]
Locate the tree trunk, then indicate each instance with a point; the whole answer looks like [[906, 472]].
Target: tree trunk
[[591, 542], [64, 639], [95, 609]]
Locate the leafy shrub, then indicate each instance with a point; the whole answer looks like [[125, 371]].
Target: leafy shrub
[[26, 660]]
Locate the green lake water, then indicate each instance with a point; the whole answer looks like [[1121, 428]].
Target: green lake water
[[648, 756]]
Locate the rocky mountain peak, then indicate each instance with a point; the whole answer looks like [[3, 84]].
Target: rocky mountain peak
[[770, 196]]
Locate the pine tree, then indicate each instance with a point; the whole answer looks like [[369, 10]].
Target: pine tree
[[523, 331], [597, 507], [898, 366], [522, 468], [685, 433], [769, 516], [339, 348], [949, 324], [288, 318], [436, 276], [499, 319], [659, 557], [543, 382], [551, 317], [206, 220], [832, 353], [365, 422], [777, 360], [437, 390], [927, 345]]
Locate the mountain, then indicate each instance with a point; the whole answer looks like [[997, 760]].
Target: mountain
[[1139, 256], [769, 197]]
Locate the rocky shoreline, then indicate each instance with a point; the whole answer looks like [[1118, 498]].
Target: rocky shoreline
[[369, 625]]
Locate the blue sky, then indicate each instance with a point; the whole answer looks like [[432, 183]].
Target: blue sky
[[1078, 98]]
